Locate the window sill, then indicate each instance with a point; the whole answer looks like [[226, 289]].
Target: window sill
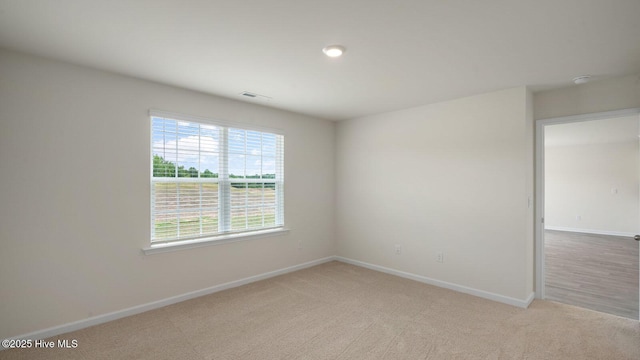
[[218, 240]]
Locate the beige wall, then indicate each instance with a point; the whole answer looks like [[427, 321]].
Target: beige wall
[[452, 177], [74, 200], [597, 96], [530, 189], [579, 180]]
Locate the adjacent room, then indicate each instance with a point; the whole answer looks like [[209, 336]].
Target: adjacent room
[[318, 180], [591, 214]]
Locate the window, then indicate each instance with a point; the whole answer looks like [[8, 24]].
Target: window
[[209, 179]]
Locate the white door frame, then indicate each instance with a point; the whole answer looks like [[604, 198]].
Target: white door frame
[[539, 228]]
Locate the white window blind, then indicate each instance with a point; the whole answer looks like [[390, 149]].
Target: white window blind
[[209, 179]]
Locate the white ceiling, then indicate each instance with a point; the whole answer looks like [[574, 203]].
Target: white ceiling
[[399, 53], [614, 130]]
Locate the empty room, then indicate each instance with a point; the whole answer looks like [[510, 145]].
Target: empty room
[[205, 179]]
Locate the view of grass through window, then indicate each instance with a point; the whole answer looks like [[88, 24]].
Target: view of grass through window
[[209, 179]]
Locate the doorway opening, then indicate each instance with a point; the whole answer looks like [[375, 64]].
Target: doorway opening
[[588, 213]]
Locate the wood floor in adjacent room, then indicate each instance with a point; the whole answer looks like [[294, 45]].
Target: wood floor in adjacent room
[[340, 311], [597, 272]]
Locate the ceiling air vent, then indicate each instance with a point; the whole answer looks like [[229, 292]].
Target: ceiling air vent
[[249, 94]]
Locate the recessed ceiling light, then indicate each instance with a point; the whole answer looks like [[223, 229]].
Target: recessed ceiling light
[[333, 50], [581, 79]]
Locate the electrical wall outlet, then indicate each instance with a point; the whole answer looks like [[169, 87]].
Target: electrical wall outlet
[[398, 249], [440, 256]]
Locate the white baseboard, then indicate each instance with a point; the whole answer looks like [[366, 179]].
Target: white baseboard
[[590, 231], [443, 284], [100, 319]]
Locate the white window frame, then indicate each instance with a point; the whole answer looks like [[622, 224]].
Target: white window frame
[[225, 234]]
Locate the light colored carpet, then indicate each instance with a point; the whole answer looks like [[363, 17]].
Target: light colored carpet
[[340, 311]]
